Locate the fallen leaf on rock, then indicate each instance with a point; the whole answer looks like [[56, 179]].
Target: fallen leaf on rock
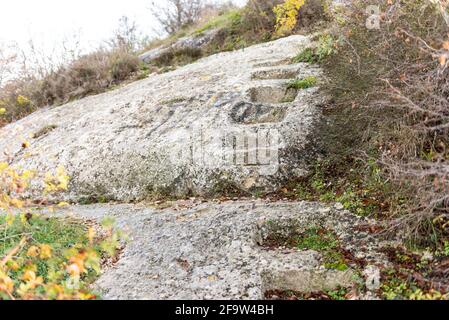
[[212, 278]]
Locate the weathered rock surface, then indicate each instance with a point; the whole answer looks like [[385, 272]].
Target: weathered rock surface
[[228, 120], [195, 42], [216, 250]]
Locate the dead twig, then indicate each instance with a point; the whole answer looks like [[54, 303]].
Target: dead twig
[[14, 251]]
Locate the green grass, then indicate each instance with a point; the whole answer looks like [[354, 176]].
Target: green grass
[[362, 190], [325, 242], [224, 20], [314, 238], [55, 231], [174, 100], [307, 55], [402, 279], [338, 294], [324, 49], [306, 83], [60, 234]]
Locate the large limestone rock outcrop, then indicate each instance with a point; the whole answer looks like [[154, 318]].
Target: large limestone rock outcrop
[[192, 43], [196, 250], [228, 120]]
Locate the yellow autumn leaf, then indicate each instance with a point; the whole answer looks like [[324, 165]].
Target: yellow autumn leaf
[[287, 15], [23, 101], [27, 174], [3, 166], [86, 296], [16, 203], [10, 218], [13, 265], [25, 144], [45, 251], [212, 278], [33, 252], [29, 275], [91, 234], [63, 204], [73, 270], [6, 283]]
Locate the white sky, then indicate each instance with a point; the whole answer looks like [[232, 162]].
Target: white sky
[[49, 21]]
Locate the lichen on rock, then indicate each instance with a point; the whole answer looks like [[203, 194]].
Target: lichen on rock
[[182, 131]]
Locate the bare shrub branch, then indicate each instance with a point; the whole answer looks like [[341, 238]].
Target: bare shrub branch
[[177, 14]]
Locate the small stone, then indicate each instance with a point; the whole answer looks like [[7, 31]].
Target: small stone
[[339, 206], [372, 276], [253, 293], [427, 256], [360, 255], [234, 291], [325, 210]]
